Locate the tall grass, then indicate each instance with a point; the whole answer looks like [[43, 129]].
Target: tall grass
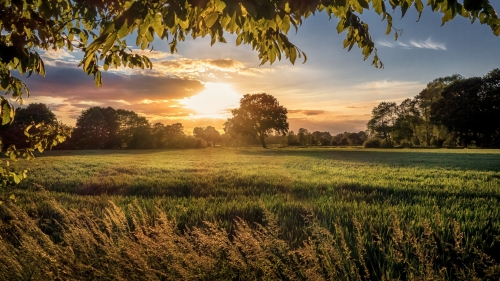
[[246, 214]]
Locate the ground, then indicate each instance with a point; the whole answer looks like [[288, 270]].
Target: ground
[[314, 212]]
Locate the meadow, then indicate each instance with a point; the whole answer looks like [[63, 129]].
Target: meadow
[[255, 214]]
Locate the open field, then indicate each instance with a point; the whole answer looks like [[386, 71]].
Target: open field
[[250, 213]]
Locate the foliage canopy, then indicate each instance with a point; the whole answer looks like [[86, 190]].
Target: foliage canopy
[[258, 116]]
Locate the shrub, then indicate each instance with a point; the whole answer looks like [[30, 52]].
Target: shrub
[[405, 144], [373, 143], [343, 142]]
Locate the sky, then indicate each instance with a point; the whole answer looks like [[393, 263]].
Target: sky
[[334, 91]]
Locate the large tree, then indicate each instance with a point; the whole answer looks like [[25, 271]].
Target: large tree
[[133, 130], [471, 108], [258, 116], [424, 101], [384, 117], [98, 127]]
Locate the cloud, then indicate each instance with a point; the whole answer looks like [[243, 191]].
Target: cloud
[[57, 54], [386, 44], [334, 126], [152, 54], [73, 84], [427, 44], [384, 84], [72, 90], [193, 68], [306, 112]]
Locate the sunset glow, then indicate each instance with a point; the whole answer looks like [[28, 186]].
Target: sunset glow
[[215, 101]]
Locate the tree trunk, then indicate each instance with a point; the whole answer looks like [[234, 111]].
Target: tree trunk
[[261, 137]]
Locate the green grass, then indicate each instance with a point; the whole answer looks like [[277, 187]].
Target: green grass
[[357, 213]]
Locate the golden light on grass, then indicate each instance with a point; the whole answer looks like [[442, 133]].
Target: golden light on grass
[[214, 101]]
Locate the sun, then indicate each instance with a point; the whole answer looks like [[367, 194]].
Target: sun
[[214, 101]]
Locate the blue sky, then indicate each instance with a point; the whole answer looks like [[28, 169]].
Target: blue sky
[[333, 91]]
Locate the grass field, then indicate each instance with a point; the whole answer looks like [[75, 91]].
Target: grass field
[[251, 213]]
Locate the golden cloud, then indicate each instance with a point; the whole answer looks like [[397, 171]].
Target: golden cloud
[[307, 112]]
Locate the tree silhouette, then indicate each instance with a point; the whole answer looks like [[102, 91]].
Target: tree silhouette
[[35, 113], [211, 135], [258, 116], [471, 108], [383, 120], [97, 127]]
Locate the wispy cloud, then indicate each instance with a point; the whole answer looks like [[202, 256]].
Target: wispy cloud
[[152, 54], [426, 44], [57, 54], [175, 66], [355, 106], [307, 112], [384, 84]]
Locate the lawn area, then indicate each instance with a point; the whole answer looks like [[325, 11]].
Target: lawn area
[[253, 213]]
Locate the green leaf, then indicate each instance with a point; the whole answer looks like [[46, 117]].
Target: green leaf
[[16, 179], [364, 4], [239, 39], [211, 18], [285, 25], [293, 55], [110, 41], [419, 6], [123, 31], [389, 24], [447, 17], [404, 8], [377, 6], [98, 79], [341, 26], [7, 112], [158, 25]]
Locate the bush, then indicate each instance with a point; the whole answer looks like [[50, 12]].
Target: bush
[[284, 143], [373, 143], [437, 142], [343, 142], [405, 144]]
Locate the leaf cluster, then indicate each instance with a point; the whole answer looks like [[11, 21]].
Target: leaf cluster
[[40, 137]]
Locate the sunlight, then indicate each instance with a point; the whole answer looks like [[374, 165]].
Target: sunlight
[[214, 101]]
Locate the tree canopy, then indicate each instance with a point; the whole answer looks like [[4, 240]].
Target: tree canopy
[[471, 108], [258, 116], [450, 111]]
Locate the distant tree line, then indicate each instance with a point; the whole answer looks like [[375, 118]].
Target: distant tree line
[[450, 111], [109, 128], [305, 138]]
